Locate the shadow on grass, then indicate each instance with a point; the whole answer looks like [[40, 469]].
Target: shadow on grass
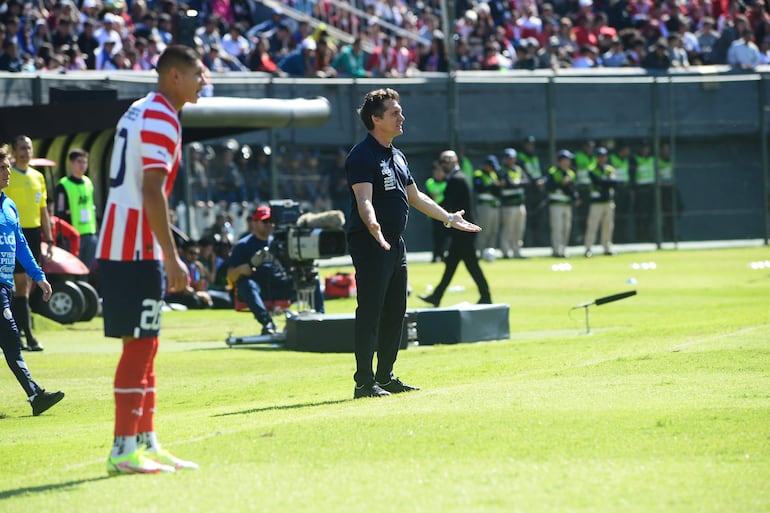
[[283, 407], [49, 487]]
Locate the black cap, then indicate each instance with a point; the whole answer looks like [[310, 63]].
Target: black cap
[[601, 150]]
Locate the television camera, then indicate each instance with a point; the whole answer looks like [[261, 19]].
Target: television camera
[[299, 240]]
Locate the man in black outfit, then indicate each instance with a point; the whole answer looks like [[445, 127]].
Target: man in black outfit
[[457, 196], [382, 189]]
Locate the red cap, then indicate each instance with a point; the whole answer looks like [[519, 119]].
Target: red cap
[[261, 214]]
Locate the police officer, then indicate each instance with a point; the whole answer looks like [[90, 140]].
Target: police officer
[[487, 187], [585, 159], [620, 159], [644, 191], [513, 210], [75, 204], [535, 202], [382, 189], [601, 213], [562, 194], [435, 186]]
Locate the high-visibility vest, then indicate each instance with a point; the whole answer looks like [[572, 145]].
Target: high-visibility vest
[[583, 164], [559, 195], [485, 195], [665, 170], [532, 164], [621, 168], [645, 170], [80, 197], [436, 189], [513, 192]]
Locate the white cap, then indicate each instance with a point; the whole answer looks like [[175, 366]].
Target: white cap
[[308, 44], [586, 3]]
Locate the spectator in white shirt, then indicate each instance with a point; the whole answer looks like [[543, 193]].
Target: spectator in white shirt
[[743, 53]]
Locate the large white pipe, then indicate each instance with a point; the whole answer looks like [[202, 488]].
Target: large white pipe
[[256, 113]]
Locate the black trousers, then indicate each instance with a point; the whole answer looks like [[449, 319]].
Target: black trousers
[[381, 278], [462, 249], [10, 341]]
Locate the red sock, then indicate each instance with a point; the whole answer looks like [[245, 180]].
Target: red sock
[[130, 384], [146, 424]]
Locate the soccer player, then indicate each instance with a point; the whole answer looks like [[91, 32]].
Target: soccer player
[[137, 255], [27, 189], [13, 246]]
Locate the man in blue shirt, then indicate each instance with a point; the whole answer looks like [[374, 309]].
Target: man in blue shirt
[[382, 189], [14, 246], [257, 276]]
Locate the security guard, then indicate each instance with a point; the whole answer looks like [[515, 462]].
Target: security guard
[[487, 187], [644, 191], [513, 210], [670, 203], [562, 194], [435, 187], [536, 201], [602, 210], [585, 159], [620, 159], [75, 204], [382, 189]]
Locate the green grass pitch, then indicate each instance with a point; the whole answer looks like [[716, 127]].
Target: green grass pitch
[[664, 406]]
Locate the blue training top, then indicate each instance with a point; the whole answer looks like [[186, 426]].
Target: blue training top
[[13, 245]]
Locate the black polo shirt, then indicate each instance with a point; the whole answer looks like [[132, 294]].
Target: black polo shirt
[[388, 172]]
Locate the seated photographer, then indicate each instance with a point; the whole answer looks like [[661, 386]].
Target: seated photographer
[[257, 275], [194, 296]]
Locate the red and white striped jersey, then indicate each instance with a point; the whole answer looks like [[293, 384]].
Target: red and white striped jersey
[[148, 136]]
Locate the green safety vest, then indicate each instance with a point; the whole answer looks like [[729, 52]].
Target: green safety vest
[[583, 163], [512, 196], [532, 164], [596, 192], [486, 196], [645, 170], [436, 189], [466, 166], [665, 171], [621, 168], [80, 197], [558, 195]]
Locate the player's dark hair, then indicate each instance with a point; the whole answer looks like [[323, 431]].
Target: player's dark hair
[[77, 153], [177, 56], [374, 105]]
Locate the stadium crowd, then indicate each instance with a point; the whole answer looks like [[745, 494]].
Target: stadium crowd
[[69, 35]]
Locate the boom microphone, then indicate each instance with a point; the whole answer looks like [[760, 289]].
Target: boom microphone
[[606, 299], [614, 297]]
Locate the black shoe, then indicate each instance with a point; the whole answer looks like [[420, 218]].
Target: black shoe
[[372, 390], [611, 252], [588, 253], [44, 400], [429, 299], [34, 346], [396, 386], [485, 301], [268, 329]]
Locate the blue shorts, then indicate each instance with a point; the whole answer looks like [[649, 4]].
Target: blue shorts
[[132, 297]]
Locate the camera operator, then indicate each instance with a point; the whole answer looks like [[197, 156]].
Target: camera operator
[[257, 275]]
